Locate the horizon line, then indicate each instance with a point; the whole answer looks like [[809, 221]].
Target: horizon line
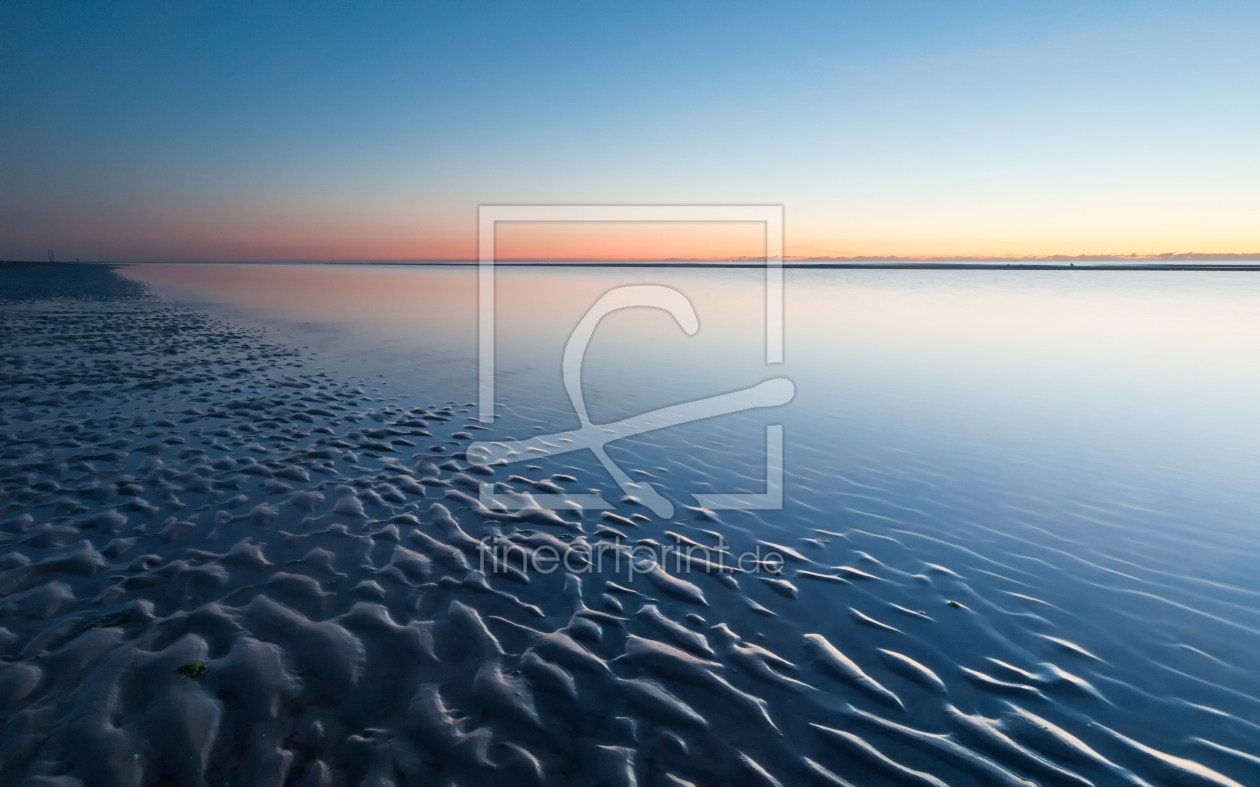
[[796, 260]]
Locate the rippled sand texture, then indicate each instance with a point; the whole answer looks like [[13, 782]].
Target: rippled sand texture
[[220, 567]]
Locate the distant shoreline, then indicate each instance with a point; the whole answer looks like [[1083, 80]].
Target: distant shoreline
[[1206, 265]]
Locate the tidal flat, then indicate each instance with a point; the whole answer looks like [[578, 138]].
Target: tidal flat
[[227, 558]]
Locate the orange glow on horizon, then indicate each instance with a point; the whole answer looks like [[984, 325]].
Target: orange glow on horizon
[[395, 241], [590, 240]]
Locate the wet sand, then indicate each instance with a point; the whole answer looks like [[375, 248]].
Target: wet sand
[[220, 565]]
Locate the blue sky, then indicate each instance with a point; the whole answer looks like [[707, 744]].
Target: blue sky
[[239, 131]]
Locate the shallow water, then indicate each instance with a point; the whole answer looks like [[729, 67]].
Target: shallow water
[[1136, 386], [1069, 457]]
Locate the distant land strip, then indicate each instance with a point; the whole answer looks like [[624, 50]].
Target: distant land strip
[[1162, 262], [978, 266]]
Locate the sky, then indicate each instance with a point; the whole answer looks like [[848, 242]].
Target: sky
[[223, 130]]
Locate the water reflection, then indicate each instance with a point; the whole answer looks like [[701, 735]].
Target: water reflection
[[1148, 375], [1069, 456]]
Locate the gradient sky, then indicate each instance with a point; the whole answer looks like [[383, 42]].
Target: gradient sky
[[229, 130]]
